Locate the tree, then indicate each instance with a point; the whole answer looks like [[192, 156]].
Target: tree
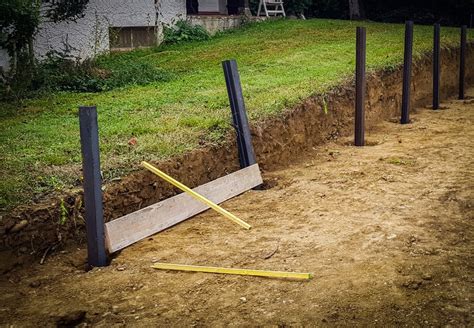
[[19, 23], [356, 9]]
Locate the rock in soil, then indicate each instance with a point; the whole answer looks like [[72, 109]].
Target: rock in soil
[[19, 226], [71, 319]]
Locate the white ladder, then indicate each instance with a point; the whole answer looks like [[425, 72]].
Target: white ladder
[[277, 7]]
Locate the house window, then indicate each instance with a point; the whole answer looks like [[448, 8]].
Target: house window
[[131, 37]]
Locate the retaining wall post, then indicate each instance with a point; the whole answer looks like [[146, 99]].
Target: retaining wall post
[[96, 255], [239, 114], [436, 66], [359, 139], [407, 60], [462, 62]]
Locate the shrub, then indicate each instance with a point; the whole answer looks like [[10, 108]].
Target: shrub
[[59, 72], [183, 31]]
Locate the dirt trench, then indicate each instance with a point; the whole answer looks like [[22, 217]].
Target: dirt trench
[[387, 230], [277, 141]]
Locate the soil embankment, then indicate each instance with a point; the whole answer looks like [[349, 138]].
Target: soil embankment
[[278, 142]]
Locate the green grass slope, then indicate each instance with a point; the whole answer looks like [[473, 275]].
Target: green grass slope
[[281, 62]]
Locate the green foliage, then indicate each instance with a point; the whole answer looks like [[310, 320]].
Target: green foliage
[[328, 8], [19, 21], [63, 212], [62, 74], [59, 72], [183, 31], [297, 7], [325, 106]]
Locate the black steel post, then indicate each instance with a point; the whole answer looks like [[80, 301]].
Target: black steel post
[[462, 62], [407, 59], [97, 256], [436, 66], [359, 139], [239, 114]]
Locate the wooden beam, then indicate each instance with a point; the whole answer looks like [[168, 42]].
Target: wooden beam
[[135, 226], [196, 195]]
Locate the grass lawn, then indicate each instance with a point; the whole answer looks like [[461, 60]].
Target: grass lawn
[[280, 62]]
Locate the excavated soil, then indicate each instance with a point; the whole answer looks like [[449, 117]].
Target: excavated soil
[[387, 230], [278, 141]]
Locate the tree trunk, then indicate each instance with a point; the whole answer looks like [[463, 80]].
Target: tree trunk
[[158, 25], [356, 10], [14, 60], [31, 53]]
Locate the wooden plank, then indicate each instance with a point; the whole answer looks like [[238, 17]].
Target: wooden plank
[[196, 195], [135, 226]]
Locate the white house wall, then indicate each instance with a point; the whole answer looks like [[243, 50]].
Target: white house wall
[[172, 11], [89, 36]]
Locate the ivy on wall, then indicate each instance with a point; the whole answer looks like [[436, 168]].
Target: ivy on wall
[[19, 22]]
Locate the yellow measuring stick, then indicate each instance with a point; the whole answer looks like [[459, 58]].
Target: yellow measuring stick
[[197, 196], [243, 272]]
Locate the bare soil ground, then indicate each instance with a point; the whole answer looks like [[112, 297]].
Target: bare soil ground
[[386, 229]]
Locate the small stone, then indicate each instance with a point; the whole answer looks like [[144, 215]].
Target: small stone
[[71, 319], [19, 226], [9, 223], [133, 141], [137, 317], [115, 309], [243, 299], [121, 268], [35, 284], [412, 284], [426, 276]]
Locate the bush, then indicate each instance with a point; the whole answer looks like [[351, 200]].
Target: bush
[[59, 72], [93, 76], [183, 31]]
